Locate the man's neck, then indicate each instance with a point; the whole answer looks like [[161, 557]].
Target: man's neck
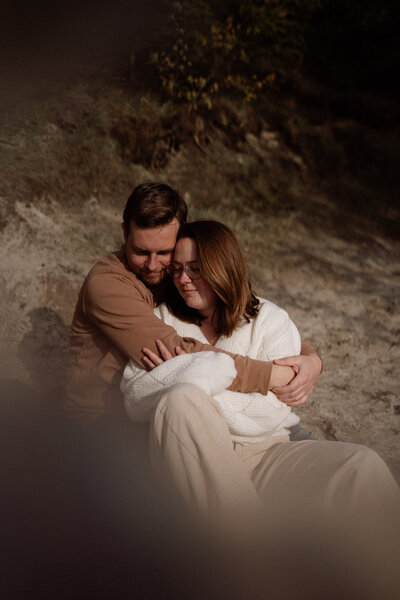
[[161, 291]]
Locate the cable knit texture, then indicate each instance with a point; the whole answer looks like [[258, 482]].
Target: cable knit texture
[[251, 417], [212, 372]]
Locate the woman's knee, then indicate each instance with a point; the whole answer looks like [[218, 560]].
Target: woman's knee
[[180, 399], [354, 459], [373, 464], [362, 456]]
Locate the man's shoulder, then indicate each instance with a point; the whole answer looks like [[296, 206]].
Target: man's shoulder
[[113, 267], [112, 274], [111, 263]]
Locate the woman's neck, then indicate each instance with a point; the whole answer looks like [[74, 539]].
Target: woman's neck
[[208, 328]]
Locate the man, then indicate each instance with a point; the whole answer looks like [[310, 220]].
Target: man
[[114, 318]]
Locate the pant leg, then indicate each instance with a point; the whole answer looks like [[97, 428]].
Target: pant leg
[[323, 477], [190, 443], [332, 509]]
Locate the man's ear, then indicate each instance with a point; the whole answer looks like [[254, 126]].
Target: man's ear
[[124, 232]]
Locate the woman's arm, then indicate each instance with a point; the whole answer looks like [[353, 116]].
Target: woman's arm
[[281, 376], [142, 389]]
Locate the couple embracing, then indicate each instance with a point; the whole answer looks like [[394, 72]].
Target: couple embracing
[[168, 332]]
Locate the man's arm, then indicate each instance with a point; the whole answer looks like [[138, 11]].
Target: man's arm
[[308, 367], [280, 375], [121, 309]]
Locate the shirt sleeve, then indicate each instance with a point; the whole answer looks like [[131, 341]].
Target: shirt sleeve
[[124, 314], [142, 390]]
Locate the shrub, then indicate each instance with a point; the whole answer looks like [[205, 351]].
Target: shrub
[[240, 46]]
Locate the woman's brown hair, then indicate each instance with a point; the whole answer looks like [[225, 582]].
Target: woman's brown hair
[[223, 266]]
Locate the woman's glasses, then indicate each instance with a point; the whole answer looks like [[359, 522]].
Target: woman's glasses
[[191, 271]]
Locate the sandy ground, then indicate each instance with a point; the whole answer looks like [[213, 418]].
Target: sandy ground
[[343, 296]]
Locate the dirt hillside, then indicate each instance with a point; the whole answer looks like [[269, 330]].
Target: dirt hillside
[[66, 174]]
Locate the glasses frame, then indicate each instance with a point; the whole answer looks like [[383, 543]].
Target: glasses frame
[[184, 268]]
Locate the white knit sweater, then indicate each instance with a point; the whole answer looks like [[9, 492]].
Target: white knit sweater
[[251, 417]]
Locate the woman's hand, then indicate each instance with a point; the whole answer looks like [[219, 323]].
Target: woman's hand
[[308, 368], [153, 360]]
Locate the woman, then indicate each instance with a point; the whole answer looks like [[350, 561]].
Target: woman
[[227, 315], [229, 451]]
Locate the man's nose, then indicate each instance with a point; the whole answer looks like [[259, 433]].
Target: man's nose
[[152, 263]]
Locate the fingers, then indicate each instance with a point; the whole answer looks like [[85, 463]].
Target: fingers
[[149, 363], [165, 353], [299, 402], [290, 361], [307, 370], [297, 387], [151, 358], [294, 397]]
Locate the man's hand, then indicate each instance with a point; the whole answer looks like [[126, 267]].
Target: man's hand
[[153, 360], [307, 368]]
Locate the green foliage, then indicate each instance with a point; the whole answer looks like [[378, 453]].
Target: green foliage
[[212, 46]]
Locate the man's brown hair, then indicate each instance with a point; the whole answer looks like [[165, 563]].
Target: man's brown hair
[[153, 205], [223, 266]]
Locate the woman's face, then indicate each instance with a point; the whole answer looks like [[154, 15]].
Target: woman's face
[[197, 293]]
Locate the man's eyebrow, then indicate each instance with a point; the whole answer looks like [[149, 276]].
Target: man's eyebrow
[[164, 250]]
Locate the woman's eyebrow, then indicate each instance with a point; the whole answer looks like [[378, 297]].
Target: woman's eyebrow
[[190, 262]]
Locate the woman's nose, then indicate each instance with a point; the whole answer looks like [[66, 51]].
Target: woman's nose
[[184, 278]]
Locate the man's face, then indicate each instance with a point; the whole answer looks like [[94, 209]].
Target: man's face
[[149, 251]]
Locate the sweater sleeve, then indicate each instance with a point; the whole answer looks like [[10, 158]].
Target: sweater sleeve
[[142, 390], [278, 334], [122, 311]]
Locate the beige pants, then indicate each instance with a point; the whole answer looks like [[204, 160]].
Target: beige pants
[[190, 442]]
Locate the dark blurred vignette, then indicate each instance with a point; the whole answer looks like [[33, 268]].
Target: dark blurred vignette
[[81, 516], [44, 43]]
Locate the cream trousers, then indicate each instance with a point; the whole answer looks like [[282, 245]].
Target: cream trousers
[[191, 444]]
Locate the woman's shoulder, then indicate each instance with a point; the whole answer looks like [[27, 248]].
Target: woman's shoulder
[[162, 311], [271, 318], [268, 309]]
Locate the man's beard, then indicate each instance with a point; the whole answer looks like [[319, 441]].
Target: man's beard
[[163, 289], [163, 276]]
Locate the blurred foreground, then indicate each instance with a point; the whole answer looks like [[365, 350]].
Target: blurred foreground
[[83, 517]]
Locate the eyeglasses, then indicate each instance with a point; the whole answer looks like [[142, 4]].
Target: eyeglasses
[[192, 272]]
